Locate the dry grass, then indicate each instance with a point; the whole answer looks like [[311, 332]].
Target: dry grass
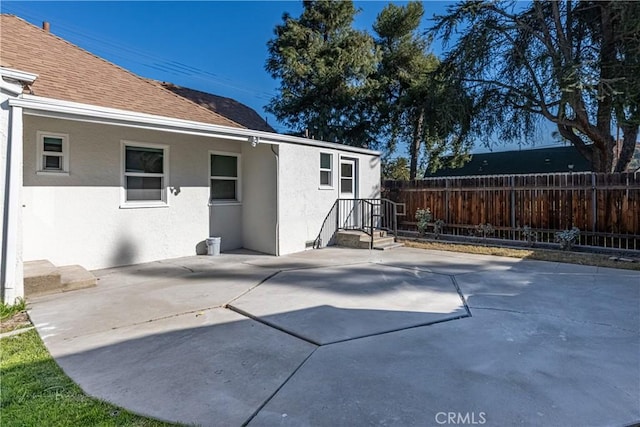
[[17, 321], [537, 254]]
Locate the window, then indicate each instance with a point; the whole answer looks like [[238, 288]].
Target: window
[[53, 153], [145, 174], [224, 177], [346, 177], [326, 162]]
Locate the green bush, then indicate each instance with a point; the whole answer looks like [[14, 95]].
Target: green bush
[[423, 218], [568, 238]]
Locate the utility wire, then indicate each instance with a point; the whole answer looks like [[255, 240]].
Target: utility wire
[[104, 47]]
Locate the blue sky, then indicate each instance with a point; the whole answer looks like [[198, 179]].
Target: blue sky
[[214, 46], [217, 47]]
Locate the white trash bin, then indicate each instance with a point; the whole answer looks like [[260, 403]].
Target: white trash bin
[[213, 245]]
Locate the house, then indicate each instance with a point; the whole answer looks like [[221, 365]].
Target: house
[[103, 168], [227, 107], [541, 160]]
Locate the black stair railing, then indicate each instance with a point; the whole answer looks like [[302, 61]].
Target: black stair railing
[[367, 215]]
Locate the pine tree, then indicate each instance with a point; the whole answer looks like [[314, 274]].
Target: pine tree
[[416, 105], [323, 65]]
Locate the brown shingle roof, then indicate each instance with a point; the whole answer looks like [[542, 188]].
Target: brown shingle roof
[[69, 73], [227, 107]]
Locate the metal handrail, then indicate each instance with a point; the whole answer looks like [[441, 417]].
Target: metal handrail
[[367, 215], [320, 242]]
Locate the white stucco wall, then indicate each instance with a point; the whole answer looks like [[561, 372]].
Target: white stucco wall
[[303, 204], [226, 223], [77, 219], [259, 198]]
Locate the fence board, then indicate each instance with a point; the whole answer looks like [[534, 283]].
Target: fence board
[[605, 207]]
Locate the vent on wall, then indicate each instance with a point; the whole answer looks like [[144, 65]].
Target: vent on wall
[[309, 244]]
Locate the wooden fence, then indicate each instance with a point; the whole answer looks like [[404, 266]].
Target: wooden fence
[[605, 207]]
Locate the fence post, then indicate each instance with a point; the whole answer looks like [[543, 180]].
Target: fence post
[[395, 222], [594, 201], [446, 200], [513, 207]]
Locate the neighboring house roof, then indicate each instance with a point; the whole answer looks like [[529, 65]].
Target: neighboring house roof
[[543, 160], [69, 73], [226, 107]]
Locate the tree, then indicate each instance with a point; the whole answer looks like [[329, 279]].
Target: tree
[[323, 64], [413, 99], [574, 63], [397, 168]]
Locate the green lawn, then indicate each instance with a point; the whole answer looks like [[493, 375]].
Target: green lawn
[[34, 391]]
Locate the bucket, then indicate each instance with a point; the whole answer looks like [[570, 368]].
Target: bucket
[[213, 245]]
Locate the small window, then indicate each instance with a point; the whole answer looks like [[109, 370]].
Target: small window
[[346, 178], [224, 177], [145, 174], [326, 162], [53, 153]]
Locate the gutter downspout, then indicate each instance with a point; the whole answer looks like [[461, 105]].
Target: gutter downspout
[[12, 285], [277, 229]]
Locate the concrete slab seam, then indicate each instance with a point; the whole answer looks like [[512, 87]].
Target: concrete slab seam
[[464, 300], [268, 399], [226, 305], [271, 325], [567, 319], [140, 323], [405, 328], [451, 276], [309, 340]]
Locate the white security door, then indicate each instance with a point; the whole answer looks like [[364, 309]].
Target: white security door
[[349, 209], [348, 184]]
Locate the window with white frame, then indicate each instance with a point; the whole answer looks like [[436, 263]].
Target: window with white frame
[[224, 177], [53, 153], [326, 168], [145, 173]]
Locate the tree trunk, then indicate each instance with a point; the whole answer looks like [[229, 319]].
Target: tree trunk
[[414, 149], [630, 136]]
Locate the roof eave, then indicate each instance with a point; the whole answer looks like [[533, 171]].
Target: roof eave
[[13, 80], [49, 107]]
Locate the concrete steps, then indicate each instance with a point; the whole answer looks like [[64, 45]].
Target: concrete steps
[[360, 240], [42, 278]]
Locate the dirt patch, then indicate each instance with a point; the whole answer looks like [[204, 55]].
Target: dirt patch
[[17, 321], [581, 258]]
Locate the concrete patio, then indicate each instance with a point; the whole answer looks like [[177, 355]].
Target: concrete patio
[[355, 337]]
